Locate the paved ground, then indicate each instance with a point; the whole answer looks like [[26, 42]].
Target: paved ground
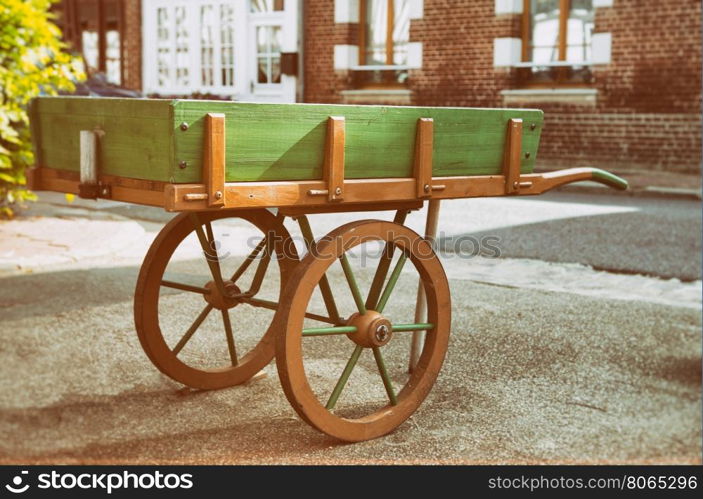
[[548, 363]]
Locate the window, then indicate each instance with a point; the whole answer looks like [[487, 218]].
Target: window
[[94, 27], [268, 54], [262, 6], [194, 43], [557, 41], [384, 32]]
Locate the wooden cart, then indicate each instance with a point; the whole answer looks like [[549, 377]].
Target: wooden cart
[[225, 162]]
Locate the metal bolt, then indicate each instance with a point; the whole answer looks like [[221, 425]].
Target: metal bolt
[[183, 164], [516, 185], [382, 332], [218, 194], [533, 126], [338, 191], [184, 126], [426, 187], [527, 155]]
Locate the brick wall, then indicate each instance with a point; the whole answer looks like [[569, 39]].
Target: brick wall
[[647, 112]]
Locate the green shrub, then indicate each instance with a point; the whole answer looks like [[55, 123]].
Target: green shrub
[[32, 62]]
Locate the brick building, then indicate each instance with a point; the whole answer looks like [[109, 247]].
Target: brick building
[[619, 80]]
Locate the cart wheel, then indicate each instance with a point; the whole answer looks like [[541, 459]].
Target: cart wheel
[[379, 393], [192, 280]]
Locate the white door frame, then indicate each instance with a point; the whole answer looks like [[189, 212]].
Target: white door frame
[[245, 87]]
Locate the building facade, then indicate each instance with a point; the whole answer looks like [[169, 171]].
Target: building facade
[[619, 80]]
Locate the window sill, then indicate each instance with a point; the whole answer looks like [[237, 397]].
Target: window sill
[[578, 96], [390, 97]]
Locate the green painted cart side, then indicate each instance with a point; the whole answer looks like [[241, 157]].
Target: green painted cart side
[[162, 140]]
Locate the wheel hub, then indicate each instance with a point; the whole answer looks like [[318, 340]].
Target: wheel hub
[[217, 300], [372, 329]]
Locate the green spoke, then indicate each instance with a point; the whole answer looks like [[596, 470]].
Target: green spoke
[[383, 265], [349, 274], [343, 378], [324, 331], [191, 330], [230, 337], [248, 260], [384, 375], [391, 283], [401, 328], [185, 287]]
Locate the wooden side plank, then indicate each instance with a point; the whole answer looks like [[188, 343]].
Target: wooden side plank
[[286, 141]]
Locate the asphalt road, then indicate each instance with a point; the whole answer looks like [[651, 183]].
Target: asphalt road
[[532, 375]]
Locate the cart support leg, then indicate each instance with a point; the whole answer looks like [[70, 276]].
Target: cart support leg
[[421, 304]]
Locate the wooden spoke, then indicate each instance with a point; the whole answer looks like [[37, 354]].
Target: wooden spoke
[[230, 337], [212, 260], [272, 305], [248, 260], [191, 330], [185, 287]]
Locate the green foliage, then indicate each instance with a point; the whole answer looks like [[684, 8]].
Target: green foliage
[[32, 62]]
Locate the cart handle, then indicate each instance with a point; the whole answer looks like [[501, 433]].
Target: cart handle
[[609, 179], [547, 181]]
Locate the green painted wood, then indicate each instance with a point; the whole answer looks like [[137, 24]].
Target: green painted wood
[[136, 143], [609, 179], [286, 141], [143, 138]]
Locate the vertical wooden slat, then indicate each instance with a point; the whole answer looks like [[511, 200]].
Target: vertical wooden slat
[[423, 157], [333, 168], [214, 163], [511, 157]]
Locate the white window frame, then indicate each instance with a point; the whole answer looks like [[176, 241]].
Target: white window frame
[[256, 20], [193, 9]]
